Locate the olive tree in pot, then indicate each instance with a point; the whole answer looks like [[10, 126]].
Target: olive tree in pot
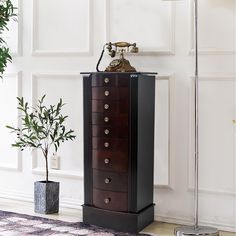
[[43, 128]]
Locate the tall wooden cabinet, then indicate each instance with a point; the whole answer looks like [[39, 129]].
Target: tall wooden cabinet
[[118, 150]]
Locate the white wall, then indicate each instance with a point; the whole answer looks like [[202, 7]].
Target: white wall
[[55, 40]]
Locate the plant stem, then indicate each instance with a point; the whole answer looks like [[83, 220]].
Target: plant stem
[[46, 160]]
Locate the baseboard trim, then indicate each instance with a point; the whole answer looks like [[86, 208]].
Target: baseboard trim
[[186, 221], [11, 195], [76, 204], [71, 203], [29, 198]]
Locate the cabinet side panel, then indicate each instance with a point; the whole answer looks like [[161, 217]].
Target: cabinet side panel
[[87, 141], [132, 177], [145, 147]]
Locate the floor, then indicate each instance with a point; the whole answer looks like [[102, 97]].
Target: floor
[[74, 215]]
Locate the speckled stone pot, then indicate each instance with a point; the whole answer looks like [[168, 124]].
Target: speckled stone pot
[[46, 197]]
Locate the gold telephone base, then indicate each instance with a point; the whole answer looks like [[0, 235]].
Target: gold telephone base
[[120, 65]]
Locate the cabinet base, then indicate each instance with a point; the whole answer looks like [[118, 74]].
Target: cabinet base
[[119, 221]]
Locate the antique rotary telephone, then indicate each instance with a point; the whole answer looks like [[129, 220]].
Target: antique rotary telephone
[[121, 64]]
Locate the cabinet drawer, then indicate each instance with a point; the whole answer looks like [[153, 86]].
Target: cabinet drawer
[[110, 131], [104, 119], [110, 80], [110, 200], [113, 181], [110, 144], [110, 93], [110, 106], [110, 161]]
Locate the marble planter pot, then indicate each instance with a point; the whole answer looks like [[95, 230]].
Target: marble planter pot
[[46, 197]]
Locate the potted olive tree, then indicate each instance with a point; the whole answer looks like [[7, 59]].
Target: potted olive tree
[[6, 13], [42, 128]]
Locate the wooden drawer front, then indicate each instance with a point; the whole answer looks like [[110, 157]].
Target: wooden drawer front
[[110, 106], [110, 200], [104, 119], [111, 144], [113, 181], [110, 131], [110, 93], [110, 161], [110, 80]]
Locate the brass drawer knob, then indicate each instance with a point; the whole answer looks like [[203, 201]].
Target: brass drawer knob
[[106, 161], [106, 80], [106, 144], [106, 119], [106, 93], [106, 131], [107, 200], [107, 180], [106, 106]]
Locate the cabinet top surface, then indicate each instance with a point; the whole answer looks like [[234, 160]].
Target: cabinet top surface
[[132, 73]]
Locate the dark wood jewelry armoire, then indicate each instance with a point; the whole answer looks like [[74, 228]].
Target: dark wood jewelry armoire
[[118, 149]]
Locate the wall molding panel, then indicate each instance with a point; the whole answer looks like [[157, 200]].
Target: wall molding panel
[[38, 170], [13, 37], [73, 52], [190, 187], [18, 92], [207, 50], [161, 50], [18, 51], [20, 29], [171, 128]]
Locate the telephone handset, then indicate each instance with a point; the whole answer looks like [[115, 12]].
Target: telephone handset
[[121, 64]]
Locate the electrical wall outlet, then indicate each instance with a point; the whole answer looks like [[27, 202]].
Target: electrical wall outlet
[[55, 162]]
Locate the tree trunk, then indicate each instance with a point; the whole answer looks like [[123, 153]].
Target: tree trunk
[[46, 160]]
